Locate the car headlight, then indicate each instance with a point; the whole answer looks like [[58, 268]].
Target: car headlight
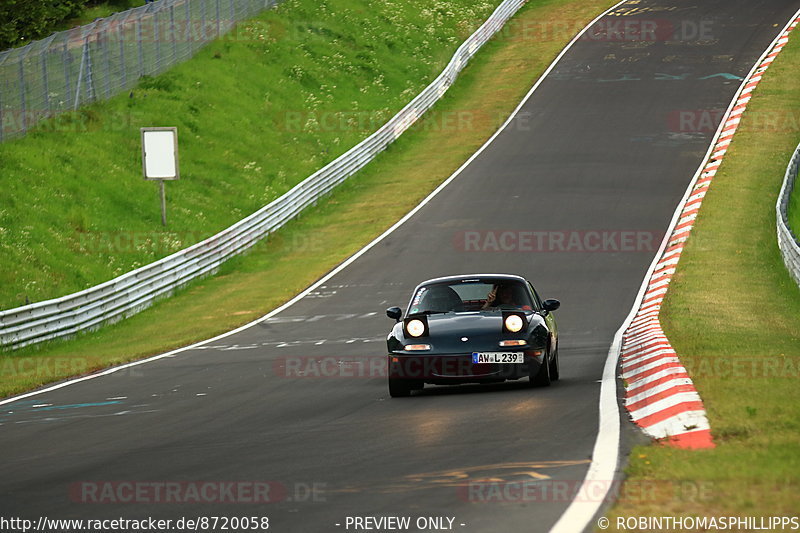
[[514, 323], [415, 328]]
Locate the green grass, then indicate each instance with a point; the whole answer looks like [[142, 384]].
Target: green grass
[[359, 210], [733, 315], [257, 112]]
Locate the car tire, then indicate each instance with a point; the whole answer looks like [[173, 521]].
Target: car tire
[[399, 388], [554, 369], [542, 378]]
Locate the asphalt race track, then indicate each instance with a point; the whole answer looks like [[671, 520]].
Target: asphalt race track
[[574, 194]]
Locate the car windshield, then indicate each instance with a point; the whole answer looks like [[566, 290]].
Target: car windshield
[[470, 295]]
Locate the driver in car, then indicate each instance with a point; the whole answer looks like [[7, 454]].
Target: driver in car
[[500, 297]]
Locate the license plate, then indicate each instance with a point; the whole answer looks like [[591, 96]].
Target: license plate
[[502, 358]]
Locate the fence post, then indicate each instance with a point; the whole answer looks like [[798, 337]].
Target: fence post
[[139, 46], [157, 40], [22, 94], [188, 33], [66, 59], [84, 60], [203, 21], [45, 84], [1, 113], [123, 66], [107, 57], [172, 31], [218, 18]]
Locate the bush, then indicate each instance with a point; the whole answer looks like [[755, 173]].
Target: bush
[[22, 21]]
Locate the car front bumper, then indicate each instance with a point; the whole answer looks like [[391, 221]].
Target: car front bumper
[[458, 368]]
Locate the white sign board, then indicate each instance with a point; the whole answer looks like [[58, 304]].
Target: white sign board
[[160, 153]]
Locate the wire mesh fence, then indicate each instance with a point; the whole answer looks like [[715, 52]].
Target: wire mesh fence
[[110, 55]]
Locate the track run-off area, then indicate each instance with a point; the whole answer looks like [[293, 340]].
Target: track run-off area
[[290, 418]]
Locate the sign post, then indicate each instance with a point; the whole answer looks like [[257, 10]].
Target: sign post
[[160, 159]]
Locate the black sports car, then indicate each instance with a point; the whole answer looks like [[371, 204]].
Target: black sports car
[[472, 329]]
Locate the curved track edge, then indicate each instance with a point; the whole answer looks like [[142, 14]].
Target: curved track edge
[[660, 396]]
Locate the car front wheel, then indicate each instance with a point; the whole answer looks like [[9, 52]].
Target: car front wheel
[[542, 377], [554, 370]]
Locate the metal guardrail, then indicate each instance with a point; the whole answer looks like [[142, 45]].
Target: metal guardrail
[[130, 293], [101, 59], [787, 240]]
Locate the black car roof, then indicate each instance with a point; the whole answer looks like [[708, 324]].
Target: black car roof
[[464, 277]]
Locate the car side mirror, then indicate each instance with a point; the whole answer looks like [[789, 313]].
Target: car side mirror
[[395, 313], [551, 304]]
